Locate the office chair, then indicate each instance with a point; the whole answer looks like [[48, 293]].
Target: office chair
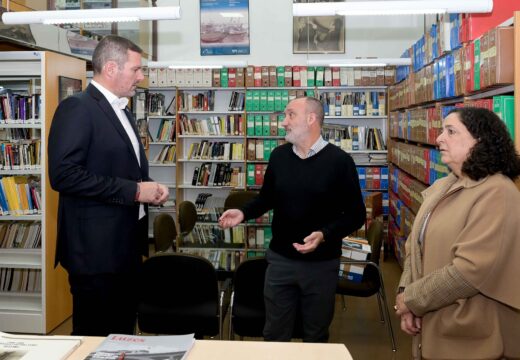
[[247, 309], [372, 281], [187, 220], [179, 294], [236, 199], [164, 233]]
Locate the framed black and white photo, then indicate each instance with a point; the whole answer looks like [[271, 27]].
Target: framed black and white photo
[[67, 87], [318, 34]]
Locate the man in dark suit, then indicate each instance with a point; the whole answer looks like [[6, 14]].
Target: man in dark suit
[[98, 165]]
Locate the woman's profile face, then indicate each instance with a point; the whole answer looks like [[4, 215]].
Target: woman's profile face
[[455, 143]]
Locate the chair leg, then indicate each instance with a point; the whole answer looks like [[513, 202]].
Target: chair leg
[[387, 315], [343, 303], [382, 319]]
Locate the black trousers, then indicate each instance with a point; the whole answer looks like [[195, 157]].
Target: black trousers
[[299, 289], [103, 304]]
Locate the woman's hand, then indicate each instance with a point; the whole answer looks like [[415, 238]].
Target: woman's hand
[[411, 324]]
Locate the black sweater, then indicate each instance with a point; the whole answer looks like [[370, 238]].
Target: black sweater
[[320, 193]]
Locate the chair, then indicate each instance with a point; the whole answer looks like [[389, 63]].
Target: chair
[[247, 309], [372, 281], [187, 220], [237, 199], [164, 233], [179, 294]]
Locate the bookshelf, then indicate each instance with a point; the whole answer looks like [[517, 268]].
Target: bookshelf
[[422, 99], [161, 144], [34, 296]]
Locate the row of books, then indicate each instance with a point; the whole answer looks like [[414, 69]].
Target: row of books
[[373, 177], [155, 104], [200, 101], [219, 174], [259, 237], [272, 76], [265, 125], [222, 259], [255, 174], [422, 163], [20, 280], [165, 131], [16, 108], [408, 188], [480, 64], [20, 195], [213, 235], [231, 125], [354, 137], [166, 155], [425, 124], [216, 150], [20, 234], [368, 103], [260, 150], [273, 100], [20, 155], [17, 134]]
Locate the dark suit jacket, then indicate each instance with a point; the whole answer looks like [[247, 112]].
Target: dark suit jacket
[[93, 166]]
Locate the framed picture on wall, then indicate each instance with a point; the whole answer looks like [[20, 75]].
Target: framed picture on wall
[[67, 87], [318, 34], [224, 27]]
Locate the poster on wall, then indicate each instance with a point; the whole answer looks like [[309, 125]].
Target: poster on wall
[[224, 27], [318, 34]]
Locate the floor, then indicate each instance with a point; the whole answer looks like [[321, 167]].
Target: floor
[[359, 327]]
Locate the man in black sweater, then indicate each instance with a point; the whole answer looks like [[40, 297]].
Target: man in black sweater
[[313, 188]]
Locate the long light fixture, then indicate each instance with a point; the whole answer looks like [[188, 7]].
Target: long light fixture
[[195, 65], [392, 7], [367, 62], [91, 15]]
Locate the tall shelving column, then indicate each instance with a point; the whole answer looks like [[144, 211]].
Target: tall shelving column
[[40, 299]]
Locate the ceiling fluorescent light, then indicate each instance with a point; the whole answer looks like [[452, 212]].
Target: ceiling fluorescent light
[[392, 7], [194, 65], [91, 15], [368, 62]]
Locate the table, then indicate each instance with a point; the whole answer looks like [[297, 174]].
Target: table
[[250, 350]]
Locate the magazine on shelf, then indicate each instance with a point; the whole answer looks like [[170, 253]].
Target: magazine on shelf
[[34, 347], [131, 347]]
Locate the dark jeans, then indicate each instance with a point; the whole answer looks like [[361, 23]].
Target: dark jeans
[[299, 288], [103, 304]]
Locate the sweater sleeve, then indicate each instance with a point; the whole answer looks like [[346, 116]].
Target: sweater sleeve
[[353, 214]]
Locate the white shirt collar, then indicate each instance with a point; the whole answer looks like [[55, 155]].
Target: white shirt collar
[[120, 103]]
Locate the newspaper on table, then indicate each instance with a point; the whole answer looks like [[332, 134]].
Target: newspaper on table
[[131, 347], [35, 347]]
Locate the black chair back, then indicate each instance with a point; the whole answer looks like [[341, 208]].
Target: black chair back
[[164, 232], [187, 217], [179, 295], [248, 309], [236, 199]]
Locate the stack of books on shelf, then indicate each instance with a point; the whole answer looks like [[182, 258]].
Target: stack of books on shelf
[[220, 174], [166, 131], [354, 137], [166, 155], [18, 108], [23, 234], [20, 155], [201, 101], [20, 195], [20, 280], [216, 150], [223, 125], [358, 103]]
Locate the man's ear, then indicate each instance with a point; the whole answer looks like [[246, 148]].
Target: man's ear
[[312, 118], [110, 68]]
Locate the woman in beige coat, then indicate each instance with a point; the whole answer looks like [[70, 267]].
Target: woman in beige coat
[[459, 294]]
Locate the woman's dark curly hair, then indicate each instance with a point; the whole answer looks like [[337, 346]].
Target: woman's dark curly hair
[[494, 151]]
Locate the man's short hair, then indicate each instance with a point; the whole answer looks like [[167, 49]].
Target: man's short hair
[[313, 105], [112, 48]]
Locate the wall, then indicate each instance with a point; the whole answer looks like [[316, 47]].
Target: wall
[[270, 24]]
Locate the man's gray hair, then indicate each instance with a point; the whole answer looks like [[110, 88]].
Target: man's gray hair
[[313, 105], [112, 48]]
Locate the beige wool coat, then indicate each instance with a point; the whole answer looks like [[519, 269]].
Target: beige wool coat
[[475, 226]]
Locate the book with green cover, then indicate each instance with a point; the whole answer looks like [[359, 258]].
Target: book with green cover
[[504, 107]]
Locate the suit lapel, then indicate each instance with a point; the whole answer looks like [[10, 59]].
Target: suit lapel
[[112, 117]]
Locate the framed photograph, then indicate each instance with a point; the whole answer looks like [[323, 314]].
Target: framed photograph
[[67, 87], [318, 34], [224, 27]]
